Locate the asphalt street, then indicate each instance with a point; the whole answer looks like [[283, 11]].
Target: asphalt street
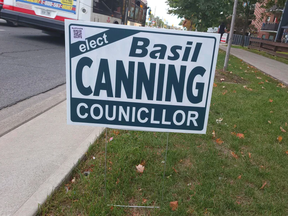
[[31, 63]]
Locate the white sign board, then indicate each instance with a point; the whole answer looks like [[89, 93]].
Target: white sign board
[[224, 38], [138, 78]]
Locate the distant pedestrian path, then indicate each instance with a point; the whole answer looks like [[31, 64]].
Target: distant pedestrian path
[[276, 69]]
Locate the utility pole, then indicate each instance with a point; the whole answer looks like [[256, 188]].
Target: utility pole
[[230, 35]]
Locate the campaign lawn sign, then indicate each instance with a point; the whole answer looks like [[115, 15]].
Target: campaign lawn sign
[[138, 78]]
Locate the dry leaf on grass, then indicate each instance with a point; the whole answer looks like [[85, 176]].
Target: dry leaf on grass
[[225, 92], [111, 138], [240, 176], [269, 122], [140, 168], [240, 135], [175, 170], [279, 138], [234, 155], [214, 134], [116, 132], [265, 183], [174, 205], [214, 85], [286, 152], [249, 155], [270, 100], [219, 141], [144, 201], [282, 130]]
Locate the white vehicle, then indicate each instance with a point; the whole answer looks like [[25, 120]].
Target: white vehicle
[[49, 15]]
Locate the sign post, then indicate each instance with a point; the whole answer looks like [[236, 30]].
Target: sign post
[[139, 78]]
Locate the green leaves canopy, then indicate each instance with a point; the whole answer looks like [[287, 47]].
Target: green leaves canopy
[[204, 13]]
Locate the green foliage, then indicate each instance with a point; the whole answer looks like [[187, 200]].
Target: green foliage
[[203, 13], [245, 14]]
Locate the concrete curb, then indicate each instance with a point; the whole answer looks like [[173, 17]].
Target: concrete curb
[[30, 207]]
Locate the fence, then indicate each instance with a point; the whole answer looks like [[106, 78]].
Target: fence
[[270, 47], [237, 40]]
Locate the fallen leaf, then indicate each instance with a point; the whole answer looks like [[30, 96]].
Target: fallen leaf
[[271, 111], [249, 155], [225, 92], [234, 155], [219, 120], [116, 132], [118, 181], [222, 79], [140, 168], [214, 85], [144, 201], [214, 134], [175, 170], [270, 100], [219, 141], [174, 205], [240, 176], [235, 126], [111, 138], [259, 78], [261, 83], [286, 124], [266, 81], [111, 208], [265, 183], [73, 180], [233, 133], [269, 122], [240, 135], [286, 152], [143, 163], [284, 131], [234, 91], [279, 138]]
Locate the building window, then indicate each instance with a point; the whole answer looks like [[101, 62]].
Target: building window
[[268, 19], [263, 36], [271, 37], [275, 20]]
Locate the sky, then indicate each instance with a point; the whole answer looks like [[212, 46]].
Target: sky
[[162, 11]]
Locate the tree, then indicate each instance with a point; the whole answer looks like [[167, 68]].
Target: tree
[[245, 15], [202, 13]]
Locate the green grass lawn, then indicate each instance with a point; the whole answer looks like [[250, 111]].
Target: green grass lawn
[[277, 58], [220, 174]]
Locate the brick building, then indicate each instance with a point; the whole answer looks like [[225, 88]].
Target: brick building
[[266, 22]]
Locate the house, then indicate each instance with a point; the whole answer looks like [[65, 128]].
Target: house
[[271, 24]]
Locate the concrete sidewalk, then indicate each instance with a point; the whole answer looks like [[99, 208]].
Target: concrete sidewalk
[[37, 156], [276, 69]]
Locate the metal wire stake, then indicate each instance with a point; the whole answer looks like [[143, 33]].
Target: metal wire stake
[[105, 165], [164, 167]]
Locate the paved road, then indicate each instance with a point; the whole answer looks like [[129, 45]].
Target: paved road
[[31, 62]]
